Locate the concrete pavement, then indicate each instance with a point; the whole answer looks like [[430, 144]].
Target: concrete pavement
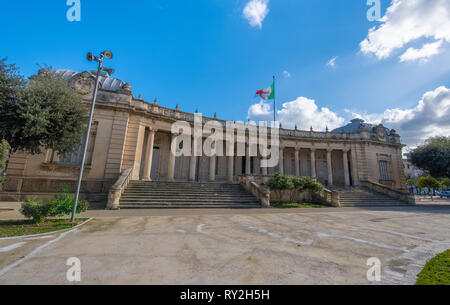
[[321, 246]]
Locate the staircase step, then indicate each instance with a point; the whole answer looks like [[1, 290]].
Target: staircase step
[[148, 194]]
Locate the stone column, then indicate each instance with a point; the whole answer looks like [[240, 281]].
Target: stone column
[[264, 169], [193, 163], [212, 168], [329, 167], [313, 163], [231, 169], [281, 162], [354, 168], [297, 162], [346, 173], [171, 170], [248, 159], [149, 155]]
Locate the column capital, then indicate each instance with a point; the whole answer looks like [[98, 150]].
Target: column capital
[[297, 148], [152, 129], [329, 150], [313, 149], [346, 150]]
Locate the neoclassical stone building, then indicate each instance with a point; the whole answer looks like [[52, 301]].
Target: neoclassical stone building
[[130, 133]]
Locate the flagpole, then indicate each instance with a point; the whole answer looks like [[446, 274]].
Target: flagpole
[[274, 103]]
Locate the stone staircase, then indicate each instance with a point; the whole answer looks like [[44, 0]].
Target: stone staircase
[[156, 194], [356, 197]]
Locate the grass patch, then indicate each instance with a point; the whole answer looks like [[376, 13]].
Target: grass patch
[[10, 228], [436, 271], [280, 205]]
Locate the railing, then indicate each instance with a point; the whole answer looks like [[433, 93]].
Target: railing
[[189, 117], [256, 190], [118, 188], [380, 188], [329, 197]]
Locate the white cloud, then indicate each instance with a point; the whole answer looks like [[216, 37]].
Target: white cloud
[[302, 112], [286, 74], [407, 21], [429, 118], [255, 11], [332, 62], [428, 50]]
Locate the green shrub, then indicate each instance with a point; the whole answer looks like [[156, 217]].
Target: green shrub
[[35, 209], [62, 204], [282, 182]]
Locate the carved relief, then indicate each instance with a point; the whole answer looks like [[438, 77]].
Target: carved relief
[[83, 82]]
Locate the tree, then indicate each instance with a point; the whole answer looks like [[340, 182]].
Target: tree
[[433, 156], [445, 182], [428, 182], [44, 112], [411, 182], [4, 152]]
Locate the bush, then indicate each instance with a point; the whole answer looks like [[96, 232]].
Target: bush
[[281, 182], [35, 209], [62, 204]]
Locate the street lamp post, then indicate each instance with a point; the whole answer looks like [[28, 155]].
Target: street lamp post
[[90, 57]]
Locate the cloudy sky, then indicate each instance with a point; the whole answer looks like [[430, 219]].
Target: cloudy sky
[[333, 60]]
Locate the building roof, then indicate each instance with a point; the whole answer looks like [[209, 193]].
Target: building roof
[[107, 83], [357, 125]]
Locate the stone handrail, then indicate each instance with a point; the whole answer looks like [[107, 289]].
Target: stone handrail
[[256, 190], [118, 188], [329, 197], [380, 188]]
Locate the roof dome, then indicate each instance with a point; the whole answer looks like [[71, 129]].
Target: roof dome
[[106, 83]]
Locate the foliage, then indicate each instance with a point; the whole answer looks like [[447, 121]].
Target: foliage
[[60, 205], [411, 182], [445, 182], [44, 112], [436, 271], [35, 209], [4, 152], [433, 156], [280, 182], [280, 205], [9, 228], [428, 182]]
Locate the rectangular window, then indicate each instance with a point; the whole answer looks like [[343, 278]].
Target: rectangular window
[[384, 173], [74, 157]]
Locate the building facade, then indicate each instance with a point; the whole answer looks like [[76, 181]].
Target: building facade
[[132, 133]]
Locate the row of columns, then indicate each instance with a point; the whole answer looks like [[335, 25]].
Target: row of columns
[[230, 169], [313, 164]]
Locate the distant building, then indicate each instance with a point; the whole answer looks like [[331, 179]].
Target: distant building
[[411, 172]]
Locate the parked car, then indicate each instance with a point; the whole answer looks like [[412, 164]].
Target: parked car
[[443, 194]]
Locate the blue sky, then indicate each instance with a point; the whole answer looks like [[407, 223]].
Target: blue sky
[[205, 54]]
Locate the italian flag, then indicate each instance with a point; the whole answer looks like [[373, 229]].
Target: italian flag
[[268, 93]]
